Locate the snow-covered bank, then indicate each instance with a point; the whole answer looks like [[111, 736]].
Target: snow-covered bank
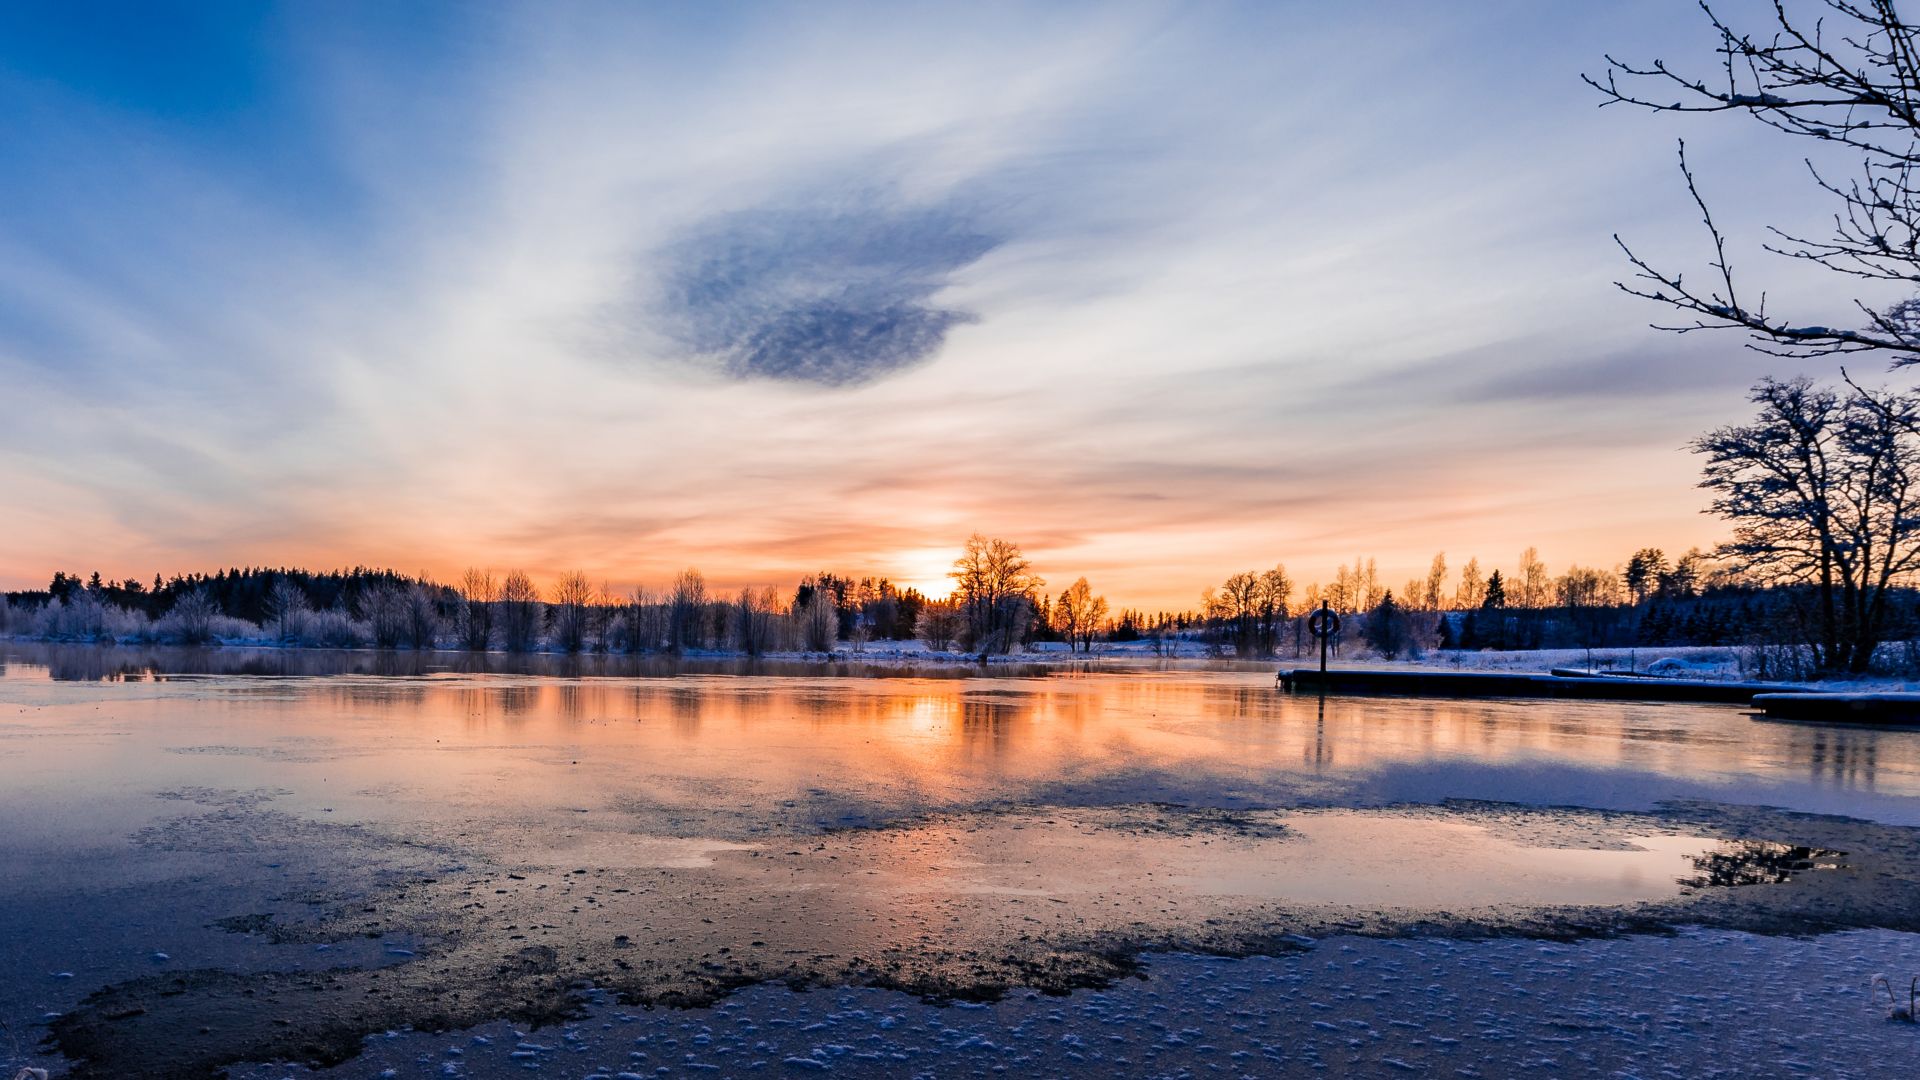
[[1718, 663]]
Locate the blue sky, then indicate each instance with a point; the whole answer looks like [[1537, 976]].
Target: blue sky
[[1161, 291]]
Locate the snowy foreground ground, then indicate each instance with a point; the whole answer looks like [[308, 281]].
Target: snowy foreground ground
[[1700, 1004]]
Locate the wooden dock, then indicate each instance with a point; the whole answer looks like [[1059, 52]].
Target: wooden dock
[[1502, 684], [1872, 710]]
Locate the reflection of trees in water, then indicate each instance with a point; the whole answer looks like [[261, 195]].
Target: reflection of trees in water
[[1757, 862], [986, 724], [1244, 703], [476, 704], [95, 663], [517, 702], [1844, 758], [686, 704], [818, 706]]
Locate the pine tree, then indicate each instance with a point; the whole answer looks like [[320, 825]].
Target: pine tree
[[1385, 630], [1496, 592]]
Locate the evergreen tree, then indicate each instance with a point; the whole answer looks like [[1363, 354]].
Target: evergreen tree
[[1644, 571], [1496, 592], [1386, 628]]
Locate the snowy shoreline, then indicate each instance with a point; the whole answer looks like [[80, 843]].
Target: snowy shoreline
[[1710, 663]]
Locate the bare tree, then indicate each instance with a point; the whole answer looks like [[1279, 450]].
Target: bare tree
[[1848, 79], [477, 594], [819, 618], [753, 620], [939, 624], [1270, 604], [1079, 613], [420, 627], [687, 612], [1472, 590], [519, 613], [1589, 596], [1432, 596], [572, 597], [994, 585], [287, 609], [1533, 588], [602, 612], [1822, 490], [191, 619], [646, 622], [384, 606]]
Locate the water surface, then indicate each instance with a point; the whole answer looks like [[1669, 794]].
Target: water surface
[[262, 834]]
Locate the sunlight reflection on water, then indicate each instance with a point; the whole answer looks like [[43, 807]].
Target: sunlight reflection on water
[[721, 755]]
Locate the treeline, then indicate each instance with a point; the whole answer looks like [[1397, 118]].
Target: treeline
[[998, 604], [993, 609], [1648, 600]]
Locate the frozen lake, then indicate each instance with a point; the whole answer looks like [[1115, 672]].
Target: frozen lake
[[221, 858]]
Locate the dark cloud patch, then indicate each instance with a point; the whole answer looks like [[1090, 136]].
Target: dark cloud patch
[[834, 298]]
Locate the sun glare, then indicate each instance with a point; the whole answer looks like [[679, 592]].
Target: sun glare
[[926, 569]]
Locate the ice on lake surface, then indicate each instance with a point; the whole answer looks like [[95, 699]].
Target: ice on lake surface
[[368, 843]]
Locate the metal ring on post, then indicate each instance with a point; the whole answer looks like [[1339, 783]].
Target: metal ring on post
[[1323, 623]]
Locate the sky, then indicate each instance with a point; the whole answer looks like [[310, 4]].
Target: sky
[[1158, 291]]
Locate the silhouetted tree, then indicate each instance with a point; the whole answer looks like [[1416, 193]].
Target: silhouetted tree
[[1644, 571], [1496, 596], [519, 613], [1386, 627], [994, 585], [1848, 79], [1823, 489], [687, 611], [477, 597], [572, 596], [1079, 614]]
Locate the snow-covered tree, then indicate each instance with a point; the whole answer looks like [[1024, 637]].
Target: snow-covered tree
[[938, 624]]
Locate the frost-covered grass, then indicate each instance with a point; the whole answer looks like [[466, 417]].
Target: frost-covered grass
[[1671, 661], [1668, 661]]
